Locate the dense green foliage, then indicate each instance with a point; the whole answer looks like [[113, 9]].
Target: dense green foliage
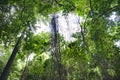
[[93, 56]]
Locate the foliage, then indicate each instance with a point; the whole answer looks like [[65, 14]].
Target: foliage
[[93, 56], [36, 42]]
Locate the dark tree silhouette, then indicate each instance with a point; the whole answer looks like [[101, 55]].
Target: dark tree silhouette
[[6, 70]]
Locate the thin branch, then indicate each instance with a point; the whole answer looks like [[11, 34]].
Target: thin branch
[[83, 39], [109, 10], [23, 12], [73, 6], [83, 31], [58, 3], [84, 25], [91, 9]]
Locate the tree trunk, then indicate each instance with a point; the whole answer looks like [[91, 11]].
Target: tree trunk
[[24, 73], [6, 70], [56, 46]]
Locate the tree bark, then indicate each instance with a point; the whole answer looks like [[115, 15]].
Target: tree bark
[[24, 73], [56, 47], [6, 71]]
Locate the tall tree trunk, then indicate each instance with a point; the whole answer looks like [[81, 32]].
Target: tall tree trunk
[[6, 70], [68, 74], [56, 48], [24, 73]]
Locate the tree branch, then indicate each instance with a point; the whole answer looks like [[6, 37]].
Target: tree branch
[[58, 3], [91, 9], [109, 10], [83, 37]]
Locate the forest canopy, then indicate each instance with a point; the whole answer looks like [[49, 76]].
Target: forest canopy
[[94, 54]]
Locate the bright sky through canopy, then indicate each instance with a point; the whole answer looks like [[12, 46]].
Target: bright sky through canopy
[[67, 26]]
